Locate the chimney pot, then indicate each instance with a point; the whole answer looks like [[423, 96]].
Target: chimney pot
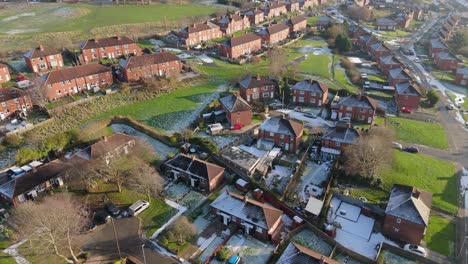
[[96, 40], [416, 194], [105, 138], [41, 47], [258, 77], [119, 37]]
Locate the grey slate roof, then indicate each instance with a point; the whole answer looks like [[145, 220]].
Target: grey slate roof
[[398, 73], [195, 166], [406, 88], [386, 21], [311, 86], [255, 82], [282, 126], [355, 101], [437, 43], [388, 60], [409, 203], [324, 20], [463, 71], [347, 135], [234, 103], [445, 56], [379, 46]]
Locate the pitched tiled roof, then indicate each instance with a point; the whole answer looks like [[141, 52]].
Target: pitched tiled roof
[[324, 19], [277, 5], [379, 46], [304, 255], [109, 144], [145, 60], [398, 73], [362, 101], [437, 43], [235, 103], [463, 71], [385, 21], [253, 12], [297, 19], [274, 29], [106, 42], [409, 203], [310, 85], [446, 56], [8, 93], [407, 89], [41, 51], [200, 27], [347, 135], [3, 66], [246, 38], [388, 60], [282, 126], [74, 72], [254, 82], [195, 166]]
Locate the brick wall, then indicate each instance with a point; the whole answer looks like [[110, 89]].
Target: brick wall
[[403, 230], [4, 75], [309, 98], [44, 64], [258, 94], [111, 52]]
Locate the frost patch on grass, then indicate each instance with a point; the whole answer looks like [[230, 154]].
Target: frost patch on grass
[[315, 50], [11, 18]]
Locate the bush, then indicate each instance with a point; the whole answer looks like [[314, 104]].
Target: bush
[[12, 141], [164, 241], [223, 254], [205, 144], [27, 154], [433, 97]]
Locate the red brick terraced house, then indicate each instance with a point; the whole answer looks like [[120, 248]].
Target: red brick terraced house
[[386, 63], [284, 133], [255, 89], [13, 100], [446, 61], [254, 218], [236, 47], [436, 45], [233, 23], [4, 74], [407, 95], [201, 175], [309, 92], [407, 214], [60, 83], [108, 48], [336, 139], [163, 64], [297, 24], [397, 75], [461, 76], [238, 111], [274, 9], [201, 32], [292, 5], [360, 108], [256, 16], [43, 59], [275, 33], [378, 50]]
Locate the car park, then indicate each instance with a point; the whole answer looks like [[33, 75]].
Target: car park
[[415, 249]]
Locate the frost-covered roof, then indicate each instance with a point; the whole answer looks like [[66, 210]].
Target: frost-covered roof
[[398, 73], [446, 56], [347, 135], [463, 71], [234, 103], [407, 88], [297, 254], [255, 82], [386, 21], [437, 43], [388, 60], [311, 86], [273, 29], [324, 20], [252, 211], [195, 166], [242, 158], [361, 101], [280, 125], [409, 203], [379, 46]]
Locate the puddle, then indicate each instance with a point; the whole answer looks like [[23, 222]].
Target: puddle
[[315, 50]]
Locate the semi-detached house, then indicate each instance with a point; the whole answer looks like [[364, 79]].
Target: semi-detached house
[[202, 32], [163, 64], [386, 63], [360, 108], [297, 23], [236, 47], [284, 133], [274, 34], [257, 88], [43, 59], [336, 139], [274, 9], [407, 95], [256, 16], [13, 100], [310, 92], [233, 23], [238, 111], [461, 76], [108, 48]]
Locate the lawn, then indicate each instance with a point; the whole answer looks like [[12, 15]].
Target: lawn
[[444, 75], [373, 196], [419, 132], [41, 18], [430, 174], [312, 20], [316, 65], [440, 236], [395, 33], [4, 257], [340, 76], [377, 78], [223, 71]]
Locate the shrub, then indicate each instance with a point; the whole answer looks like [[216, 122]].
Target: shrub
[[433, 97], [164, 241], [27, 154], [223, 254], [205, 144], [12, 141]]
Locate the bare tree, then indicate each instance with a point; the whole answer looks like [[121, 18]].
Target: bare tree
[[115, 169], [370, 153], [51, 224], [37, 92], [278, 62], [145, 179], [183, 229], [360, 13]]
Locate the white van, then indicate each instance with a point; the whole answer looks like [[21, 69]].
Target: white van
[[214, 129], [138, 207]]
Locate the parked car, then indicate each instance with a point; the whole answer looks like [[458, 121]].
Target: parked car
[[101, 217], [406, 110], [416, 249], [138, 207], [310, 115], [397, 145], [411, 149], [449, 107], [234, 259], [112, 209]]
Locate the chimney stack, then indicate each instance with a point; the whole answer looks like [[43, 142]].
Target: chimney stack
[[96, 40], [258, 77], [416, 193], [105, 138], [194, 25], [41, 47], [359, 96], [119, 37]]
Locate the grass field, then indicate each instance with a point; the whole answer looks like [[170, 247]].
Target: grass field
[[41, 18], [419, 132], [440, 236], [340, 76], [316, 65], [427, 173]]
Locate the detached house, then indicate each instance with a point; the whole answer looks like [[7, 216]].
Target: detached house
[[397, 75], [284, 133], [360, 108], [253, 217], [378, 50], [297, 24], [446, 61], [236, 47], [256, 88], [387, 63], [292, 5], [163, 64], [407, 95], [336, 139], [109, 147], [274, 9], [43, 59], [274, 34], [13, 100], [309, 92], [200, 175], [238, 111], [233, 23], [461, 76], [407, 214], [75, 80], [436, 45], [256, 16], [386, 23], [108, 48], [4, 74]]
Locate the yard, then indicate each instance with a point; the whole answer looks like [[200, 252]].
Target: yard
[[430, 174], [419, 132], [440, 235]]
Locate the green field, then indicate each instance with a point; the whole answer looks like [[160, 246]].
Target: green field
[[440, 236], [419, 132], [40, 18], [340, 76], [430, 174]]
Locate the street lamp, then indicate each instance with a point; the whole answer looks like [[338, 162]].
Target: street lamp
[[143, 251]]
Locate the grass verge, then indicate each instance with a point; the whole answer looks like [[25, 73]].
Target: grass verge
[[440, 236]]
